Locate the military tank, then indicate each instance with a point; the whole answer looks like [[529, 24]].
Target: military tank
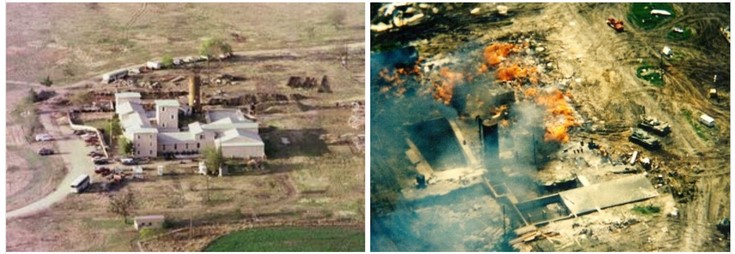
[[655, 126], [644, 139]]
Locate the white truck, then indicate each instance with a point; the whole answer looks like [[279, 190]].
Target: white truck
[[707, 120]]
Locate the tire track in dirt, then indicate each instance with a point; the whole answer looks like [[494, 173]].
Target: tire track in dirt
[[133, 19]]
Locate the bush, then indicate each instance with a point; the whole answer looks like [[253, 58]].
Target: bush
[[146, 233], [167, 61], [647, 209], [47, 81]]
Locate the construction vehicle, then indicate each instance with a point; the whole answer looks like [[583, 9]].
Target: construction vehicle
[[655, 126], [615, 24], [644, 139]]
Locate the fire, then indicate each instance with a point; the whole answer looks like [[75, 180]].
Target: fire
[[497, 52], [445, 89], [560, 115], [504, 123], [515, 72], [499, 111], [530, 92]]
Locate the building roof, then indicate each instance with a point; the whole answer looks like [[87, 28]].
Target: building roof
[[240, 137], [229, 123], [219, 114], [127, 95], [195, 128], [147, 218], [603, 195], [167, 103], [175, 137]]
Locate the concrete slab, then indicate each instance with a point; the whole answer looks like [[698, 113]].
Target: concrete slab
[[607, 194]]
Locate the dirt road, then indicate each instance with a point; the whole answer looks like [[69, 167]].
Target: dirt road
[[74, 152], [248, 54]]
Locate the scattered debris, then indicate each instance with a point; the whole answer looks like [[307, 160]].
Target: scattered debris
[[615, 24]]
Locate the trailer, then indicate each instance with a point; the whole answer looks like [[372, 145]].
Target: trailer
[[707, 120], [114, 75]]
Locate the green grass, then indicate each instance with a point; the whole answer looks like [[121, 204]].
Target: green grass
[[640, 15], [291, 239], [651, 74], [698, 128], [647, 209], [674, 36]]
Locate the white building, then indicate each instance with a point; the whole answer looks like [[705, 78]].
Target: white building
[[227, 129]]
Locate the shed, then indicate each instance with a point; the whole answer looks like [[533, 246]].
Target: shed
[[148, 221]]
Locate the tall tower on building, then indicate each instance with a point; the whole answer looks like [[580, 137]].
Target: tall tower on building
[[194, 93]]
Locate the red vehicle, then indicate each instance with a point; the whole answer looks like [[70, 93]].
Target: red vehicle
[[100, 170], [615, 24]]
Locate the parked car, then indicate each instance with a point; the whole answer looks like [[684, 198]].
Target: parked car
[[44, 137], [128, 161], [79, 132], [45, 151], [95, 154], [101, 170], [100, 161]]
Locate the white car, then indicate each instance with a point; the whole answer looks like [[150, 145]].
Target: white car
[[44, 137]]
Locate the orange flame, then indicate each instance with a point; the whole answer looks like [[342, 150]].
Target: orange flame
[[497, 52], [499, 110], [560, 114], [445, 89], [504, 123], [515, 72]]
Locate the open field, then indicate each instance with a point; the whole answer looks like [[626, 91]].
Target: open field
[[291, 239], [110, 36], [309, 180]]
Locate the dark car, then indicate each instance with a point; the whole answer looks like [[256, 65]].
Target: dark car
[[129, 161], [95, 154], [101, 170], [100, 161], [45, 151]]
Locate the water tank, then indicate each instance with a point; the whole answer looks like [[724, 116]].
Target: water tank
[[194, 92]]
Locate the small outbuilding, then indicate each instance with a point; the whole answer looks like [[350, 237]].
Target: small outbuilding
[[149, 221]]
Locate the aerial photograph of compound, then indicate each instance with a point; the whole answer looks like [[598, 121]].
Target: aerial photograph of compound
[[185, 127], [550, 127]]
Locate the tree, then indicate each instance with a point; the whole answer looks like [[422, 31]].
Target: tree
[[122, 204], [167, 61], [32, 96], [214, 47], [213, 159], [47, 81], [124, 146], [114, 129]]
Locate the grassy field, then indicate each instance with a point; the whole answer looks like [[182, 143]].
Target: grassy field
[[70, 42], [291, 239], [640, 14]]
